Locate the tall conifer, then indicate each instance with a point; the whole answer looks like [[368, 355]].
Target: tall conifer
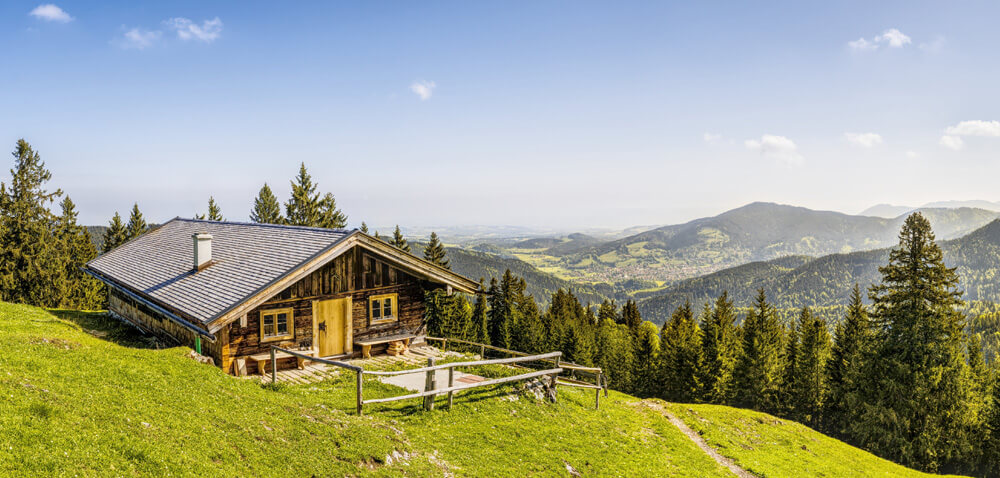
[[330, 216], [759, 372], [77, 290], [115, 234], [434, 252], [266, 209], [721, 351], [399, 241], [917, 389], [680, 349], [303, 207], [852, 343], [136, 224], [809, 382]]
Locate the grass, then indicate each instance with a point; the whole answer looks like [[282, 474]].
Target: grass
[[86, 396], [767, 446], [83, 395]]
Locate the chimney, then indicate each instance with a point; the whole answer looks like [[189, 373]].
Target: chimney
[[202, 250]]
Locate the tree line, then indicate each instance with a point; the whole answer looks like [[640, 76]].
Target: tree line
[[901, 377]]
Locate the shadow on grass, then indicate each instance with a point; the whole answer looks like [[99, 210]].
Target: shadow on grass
[[101, 325]]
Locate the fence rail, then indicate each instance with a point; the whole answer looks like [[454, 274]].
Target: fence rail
[[430, 389], [600, 379]]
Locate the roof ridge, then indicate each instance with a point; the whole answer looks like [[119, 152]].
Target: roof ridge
[[262, 224]]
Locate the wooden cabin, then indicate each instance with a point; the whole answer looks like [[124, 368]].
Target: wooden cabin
[[232, 290]]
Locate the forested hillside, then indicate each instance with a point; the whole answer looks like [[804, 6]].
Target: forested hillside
[[826, 281]]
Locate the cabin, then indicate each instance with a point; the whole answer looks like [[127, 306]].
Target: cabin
[[233, 290]]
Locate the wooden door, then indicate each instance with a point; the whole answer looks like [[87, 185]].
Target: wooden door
[[333, 324]]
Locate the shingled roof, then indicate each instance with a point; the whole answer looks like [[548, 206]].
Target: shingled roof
[[246, 258]]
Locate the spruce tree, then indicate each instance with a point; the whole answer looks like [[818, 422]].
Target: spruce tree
[[990, 461], [615, 350], [630, 315], [680, 349], [479, 325], [788, 391], [434, 252], [364, 227], [266, 209], [499, 312], [77, 290], [917, 394], [303, 208], [721, 350], [760, 370], [809, 382], [214, 211], [399, 241], [116, 233], [330, 216], [136, 224], [852, 343], [647, 360], [29, 251]]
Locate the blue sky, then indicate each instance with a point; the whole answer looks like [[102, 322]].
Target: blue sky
[[540, 114]]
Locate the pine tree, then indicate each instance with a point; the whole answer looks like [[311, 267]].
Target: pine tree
[[917, 390], [615, 349], [399, 241], [647, 360], [630, 315], [852, 343], [29, 252], [434, 252], [77, 290], [447, 316], [809, 381], [788, 391], [680, 349], [303, 208], [330, 216], [990, 461], [116, 233], [499, 312], [759, 371], [479, 325], [214, 211], [266, 209], [136, 224], [721, 351], [364, 227]]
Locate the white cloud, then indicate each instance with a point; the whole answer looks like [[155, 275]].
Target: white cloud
[[951, 142], [775, 147], [975, 128], [894, 37], [862, 44], [711, 137], [423, 89], [865, 140], [138, 39], [51, 13], [207, 32]]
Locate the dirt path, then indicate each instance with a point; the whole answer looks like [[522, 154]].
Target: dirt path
[[698, 440]]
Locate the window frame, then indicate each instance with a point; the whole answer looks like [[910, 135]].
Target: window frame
[[380, 298], [290, 312]]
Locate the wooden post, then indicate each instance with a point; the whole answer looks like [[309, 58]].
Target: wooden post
[[597, 400], [274, 367], [482, 352], [430, 385], [555, 381], [444, 345], [360, 376], [451, 383]]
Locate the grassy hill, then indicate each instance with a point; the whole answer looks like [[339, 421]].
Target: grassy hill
[[86, 396], [793, 282], [755, 232]]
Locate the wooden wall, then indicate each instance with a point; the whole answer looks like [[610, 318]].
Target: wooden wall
[[337, 279]]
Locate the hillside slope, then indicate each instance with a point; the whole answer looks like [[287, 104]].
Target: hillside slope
[[755, 232], [88, 397], [827, 280]]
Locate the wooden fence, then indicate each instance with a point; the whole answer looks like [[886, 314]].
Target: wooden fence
[[430, 386], [599, 380]]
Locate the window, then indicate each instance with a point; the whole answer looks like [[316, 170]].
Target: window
[[276, 324], [382, 308]]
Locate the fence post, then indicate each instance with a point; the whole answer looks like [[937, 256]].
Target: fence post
[[429, 385], [555, 381], [444, 345], [482, 352], [274, 367], [360, 376], [597, 400], [451, 383]]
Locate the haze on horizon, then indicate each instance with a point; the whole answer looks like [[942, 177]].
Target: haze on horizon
[[568, 115]]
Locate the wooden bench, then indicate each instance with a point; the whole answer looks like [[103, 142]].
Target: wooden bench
[[264, 358], [366, 344]]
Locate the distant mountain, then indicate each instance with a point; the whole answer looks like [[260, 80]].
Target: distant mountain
[[558, 246], [793, 282], [888, 211], [891, 211], [755, 232]]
